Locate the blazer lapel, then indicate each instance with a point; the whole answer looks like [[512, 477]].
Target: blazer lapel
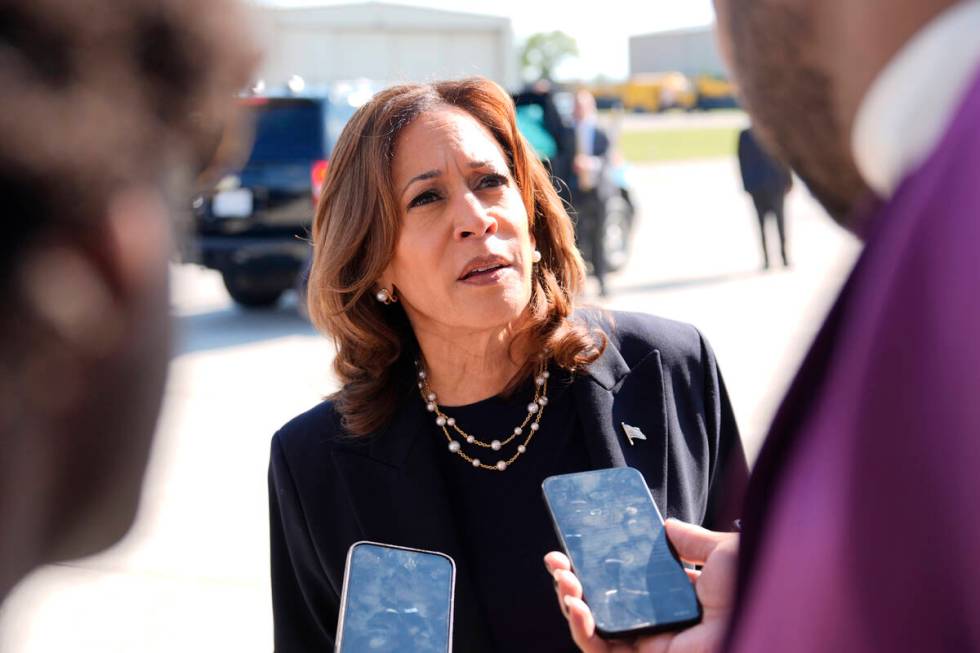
[[612, 394], [595, 407], [399, 496]]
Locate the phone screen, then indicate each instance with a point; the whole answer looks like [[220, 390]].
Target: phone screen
[[396, 599], [614, 536]]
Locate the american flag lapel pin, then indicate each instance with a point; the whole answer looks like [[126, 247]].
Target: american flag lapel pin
[[632, 433]]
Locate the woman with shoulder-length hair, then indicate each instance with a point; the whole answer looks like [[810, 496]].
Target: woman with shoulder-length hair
[[445, 271]]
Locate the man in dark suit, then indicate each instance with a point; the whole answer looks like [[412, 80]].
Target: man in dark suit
[[588, 184], [767, 180]]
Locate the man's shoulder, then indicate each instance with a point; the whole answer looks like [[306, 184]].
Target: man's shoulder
[[636, 335]]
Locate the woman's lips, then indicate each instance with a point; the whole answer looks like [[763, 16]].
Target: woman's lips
[[482, 269], [482, 265], [486, 277]]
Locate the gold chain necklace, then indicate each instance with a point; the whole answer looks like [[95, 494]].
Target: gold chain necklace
[[528, 427]]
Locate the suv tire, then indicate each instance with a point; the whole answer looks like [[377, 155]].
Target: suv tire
[[249, 290], [618, 228]]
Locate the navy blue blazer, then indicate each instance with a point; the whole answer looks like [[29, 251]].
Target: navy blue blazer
[[327, 491]]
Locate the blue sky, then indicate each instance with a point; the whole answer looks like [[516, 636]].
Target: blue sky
[[602, 34]]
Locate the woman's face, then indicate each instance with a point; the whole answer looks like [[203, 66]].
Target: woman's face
[[463, 256]]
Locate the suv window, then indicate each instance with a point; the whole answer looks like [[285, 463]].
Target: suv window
[[287, 130], [338, 116]]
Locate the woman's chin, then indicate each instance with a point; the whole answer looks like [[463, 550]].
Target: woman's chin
[[500, 311]]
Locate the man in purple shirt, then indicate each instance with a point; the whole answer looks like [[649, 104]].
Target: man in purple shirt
[[861, 526]]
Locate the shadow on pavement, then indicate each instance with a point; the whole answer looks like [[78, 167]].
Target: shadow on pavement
[[234, 326], [678, 284]]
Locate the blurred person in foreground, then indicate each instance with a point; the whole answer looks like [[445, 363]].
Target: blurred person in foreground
[[446, 273], [767, 180], [588, 185], [107, 107], [860, 527]]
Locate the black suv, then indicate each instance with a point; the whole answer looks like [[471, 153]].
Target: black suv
[[253, 227]]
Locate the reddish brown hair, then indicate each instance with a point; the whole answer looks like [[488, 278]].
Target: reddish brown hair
[[356, 228]]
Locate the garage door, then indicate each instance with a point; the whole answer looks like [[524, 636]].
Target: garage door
[[323, 56]]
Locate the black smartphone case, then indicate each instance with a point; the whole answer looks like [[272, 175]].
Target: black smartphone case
[[634, 632]]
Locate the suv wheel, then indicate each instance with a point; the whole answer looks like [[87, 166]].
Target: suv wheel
[[616, 239], [250, 291]]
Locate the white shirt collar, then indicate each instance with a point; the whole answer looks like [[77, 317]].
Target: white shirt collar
[[913, 99]]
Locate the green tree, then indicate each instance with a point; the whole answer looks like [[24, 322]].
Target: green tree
[[543, 52]]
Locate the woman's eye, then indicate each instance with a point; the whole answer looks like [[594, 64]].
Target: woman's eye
[[492, 181], [423, 199]]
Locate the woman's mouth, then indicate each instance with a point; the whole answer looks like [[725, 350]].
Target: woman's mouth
[[481, 272], [484, 270]]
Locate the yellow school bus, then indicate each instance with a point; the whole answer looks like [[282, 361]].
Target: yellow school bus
[[652, 92], [714, 92]]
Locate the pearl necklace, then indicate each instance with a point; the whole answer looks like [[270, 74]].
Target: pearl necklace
[[535, 410]]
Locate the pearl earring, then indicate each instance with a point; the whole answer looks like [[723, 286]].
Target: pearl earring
[[536, 256], [384, 296]]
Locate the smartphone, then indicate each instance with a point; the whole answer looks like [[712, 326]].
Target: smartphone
[[396, 599], [612, 531]]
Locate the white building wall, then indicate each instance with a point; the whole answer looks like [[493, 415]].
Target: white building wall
[[692, 52], [385, 43]]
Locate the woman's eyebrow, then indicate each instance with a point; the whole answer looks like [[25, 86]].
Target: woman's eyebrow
[[429, 174], [432, 174]]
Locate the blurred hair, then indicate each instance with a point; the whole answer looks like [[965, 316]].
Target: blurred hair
[[356, 229], [98, 95]]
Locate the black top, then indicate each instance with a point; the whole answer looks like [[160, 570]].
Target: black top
[[503, 525], [328, 490]]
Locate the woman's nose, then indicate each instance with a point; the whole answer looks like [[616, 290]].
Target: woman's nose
[[473, 218]]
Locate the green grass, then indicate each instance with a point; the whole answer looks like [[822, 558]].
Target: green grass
[[651, 146]]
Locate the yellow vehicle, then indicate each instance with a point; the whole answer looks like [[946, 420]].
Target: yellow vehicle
[[608, 95], [652, 92], [642, 93], [678, 92], [714, 93]]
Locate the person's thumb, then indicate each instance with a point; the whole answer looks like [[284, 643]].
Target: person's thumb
[[693, 543]]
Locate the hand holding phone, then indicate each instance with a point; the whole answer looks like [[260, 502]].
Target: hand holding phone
[[396, 599], [614, 536], [714, 584]]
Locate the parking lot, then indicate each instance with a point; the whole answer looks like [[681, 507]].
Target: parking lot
[[193, 574]]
